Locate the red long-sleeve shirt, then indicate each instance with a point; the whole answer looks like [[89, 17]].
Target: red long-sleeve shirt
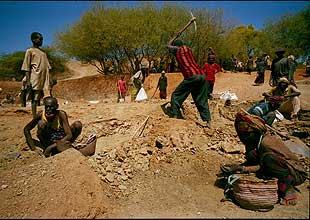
[[210, 70], [187, 63]]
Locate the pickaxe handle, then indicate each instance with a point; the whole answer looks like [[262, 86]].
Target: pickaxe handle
[[186, 26]]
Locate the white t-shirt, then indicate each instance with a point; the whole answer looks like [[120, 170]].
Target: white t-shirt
[[138, 75]]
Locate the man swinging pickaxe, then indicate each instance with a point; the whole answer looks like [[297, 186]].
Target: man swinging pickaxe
[[194, 82]]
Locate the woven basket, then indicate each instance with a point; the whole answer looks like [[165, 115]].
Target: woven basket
[[255, 194]]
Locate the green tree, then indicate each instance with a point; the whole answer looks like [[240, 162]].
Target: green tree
[[243, 38], [292, 32], [124, 36], [10, 64]]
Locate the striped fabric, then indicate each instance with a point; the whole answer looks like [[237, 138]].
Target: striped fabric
[[255, 194], [187, 63]]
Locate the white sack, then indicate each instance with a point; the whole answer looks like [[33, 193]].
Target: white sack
[[141, 95]]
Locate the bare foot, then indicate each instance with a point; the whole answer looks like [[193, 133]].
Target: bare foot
[[290, 198]]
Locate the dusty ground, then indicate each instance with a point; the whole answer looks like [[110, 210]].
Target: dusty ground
[[132, 177]]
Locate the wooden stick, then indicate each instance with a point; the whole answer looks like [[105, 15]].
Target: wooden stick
[[101, 120], [271, 128], [142, 125], [154, 92]]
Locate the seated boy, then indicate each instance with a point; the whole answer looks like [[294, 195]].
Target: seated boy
[[54, 132]]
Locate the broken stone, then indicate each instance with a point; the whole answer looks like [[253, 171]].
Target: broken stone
[[167, 150], [4, 186], [230, 147], [124, 177], [112, 153], [176, 142], [143, 151], [120, 171], [128, 171], [120, 154], [122, 187], [103, 172], [112, 123], [150, 151], [13, 155], [110, 177], [109, 168], [161, 142]]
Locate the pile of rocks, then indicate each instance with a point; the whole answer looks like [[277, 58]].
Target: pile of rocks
[[117, 165], [106, 128]]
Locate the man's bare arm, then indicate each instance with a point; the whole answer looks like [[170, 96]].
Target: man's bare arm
[[27, 130], [28, 83], [294, 92], [250, 169]]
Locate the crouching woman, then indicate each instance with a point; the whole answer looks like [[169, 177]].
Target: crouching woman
[[271, 158]]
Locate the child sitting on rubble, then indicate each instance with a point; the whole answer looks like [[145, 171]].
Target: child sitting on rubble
[[54, 132]]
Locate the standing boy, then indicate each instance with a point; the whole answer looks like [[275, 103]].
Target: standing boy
[[121, 86], [36, 67], [210, 69]]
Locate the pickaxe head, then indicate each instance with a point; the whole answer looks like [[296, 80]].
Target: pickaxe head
[[194, 21]]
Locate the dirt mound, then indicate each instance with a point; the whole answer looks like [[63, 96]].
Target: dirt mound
[[62, 186]]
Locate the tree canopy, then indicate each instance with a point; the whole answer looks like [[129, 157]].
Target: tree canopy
[[122, 37], [291, 32], [10, 64]]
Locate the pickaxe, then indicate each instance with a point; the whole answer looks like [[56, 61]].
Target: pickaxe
[[193, 20]]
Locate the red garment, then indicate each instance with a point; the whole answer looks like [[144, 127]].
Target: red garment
[[187, 63], [122, 86], [163, 94], [210, 70]]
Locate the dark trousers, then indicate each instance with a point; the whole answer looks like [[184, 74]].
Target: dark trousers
[[211, 86], [163, 94], [23, 97], [260, 78], [307, 71], [198, 87]]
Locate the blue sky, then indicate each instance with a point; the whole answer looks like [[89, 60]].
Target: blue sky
[[19, 19]]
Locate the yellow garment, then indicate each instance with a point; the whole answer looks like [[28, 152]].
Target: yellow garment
[[133, 93], [56, 121]]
